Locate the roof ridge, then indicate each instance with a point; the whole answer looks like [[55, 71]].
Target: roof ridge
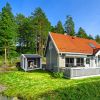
[[72, 36]]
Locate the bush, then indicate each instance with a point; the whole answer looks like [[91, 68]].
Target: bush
[[58, 74]]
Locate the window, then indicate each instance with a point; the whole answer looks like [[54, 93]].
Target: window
[[88, 61], [92, 45], [99, 58], [80, 62], [69, 62]]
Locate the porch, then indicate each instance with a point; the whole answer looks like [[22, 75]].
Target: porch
[[80, 72], [78, 66]]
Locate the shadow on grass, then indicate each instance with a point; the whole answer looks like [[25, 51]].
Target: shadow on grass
[[82, 91], [36, 71], [41, 72], [52, 74]]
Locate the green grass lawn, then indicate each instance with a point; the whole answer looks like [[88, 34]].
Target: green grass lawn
[[41, 85]]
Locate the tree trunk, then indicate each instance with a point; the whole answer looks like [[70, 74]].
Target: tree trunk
[[5, 56]]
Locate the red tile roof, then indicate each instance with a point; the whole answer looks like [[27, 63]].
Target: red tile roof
[[66, 43]]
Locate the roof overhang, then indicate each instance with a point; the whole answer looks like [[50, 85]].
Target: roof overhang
[[31, 55], [98, 53], [74, 53]]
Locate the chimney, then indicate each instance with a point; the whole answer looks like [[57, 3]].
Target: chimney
[[65, 34]]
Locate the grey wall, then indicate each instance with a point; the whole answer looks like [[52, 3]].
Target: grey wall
[[51, 57]]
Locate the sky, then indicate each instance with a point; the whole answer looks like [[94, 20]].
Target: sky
[[85, 13]]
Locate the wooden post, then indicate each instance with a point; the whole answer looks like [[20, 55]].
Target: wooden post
[[97, 61], [75, 62], [5, 56]]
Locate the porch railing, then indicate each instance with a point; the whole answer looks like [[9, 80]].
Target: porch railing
[[73, 72]]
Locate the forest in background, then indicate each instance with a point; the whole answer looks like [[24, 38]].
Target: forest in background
[[20, 34]]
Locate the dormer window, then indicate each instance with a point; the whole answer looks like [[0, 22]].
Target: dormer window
[[92, 45]]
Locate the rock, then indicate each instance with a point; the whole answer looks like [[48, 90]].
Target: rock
[[15, 98], [2, 88]]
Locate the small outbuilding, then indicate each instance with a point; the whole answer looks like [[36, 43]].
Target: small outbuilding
[[31, 62]]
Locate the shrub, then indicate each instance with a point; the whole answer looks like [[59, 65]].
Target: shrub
[[58, 74]]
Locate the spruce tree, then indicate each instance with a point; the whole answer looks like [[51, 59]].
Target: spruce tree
[[59, 27], [81, 33], [97, 38]]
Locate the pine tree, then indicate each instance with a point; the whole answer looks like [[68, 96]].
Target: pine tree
[[52, 29], [8, 35], [81, 33], [41, 27], [69, 26]]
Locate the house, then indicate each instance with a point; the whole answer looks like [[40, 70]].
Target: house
[[76, 57], [31, 62]]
